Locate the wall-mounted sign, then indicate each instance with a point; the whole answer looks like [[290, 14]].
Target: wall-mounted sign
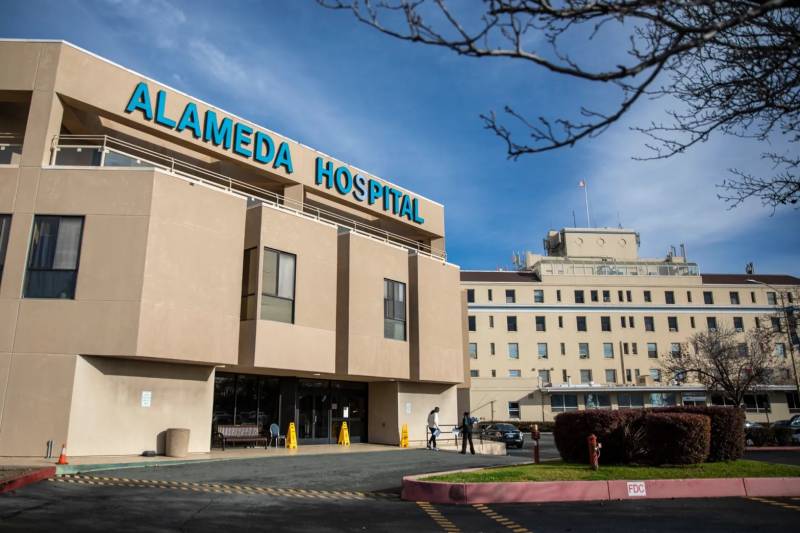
[[235, 136], [147, 398]]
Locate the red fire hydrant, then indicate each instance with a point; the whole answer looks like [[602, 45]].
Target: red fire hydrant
[[594, 452], [535, 435]]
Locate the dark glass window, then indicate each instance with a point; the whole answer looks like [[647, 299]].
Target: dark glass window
[[470, 295], [471, 323], [689, 296], [632, 400], [564, 402], [5, 227], [672, 322], [394, 310], [581, 323], [594, 296], [606, 296], [598, 401], [540, 323], [708, 297], [605, 323], [53, 259], [249, 284], [511, 296], [511, 323], [628, 296], [538, 296], [734, 298], [669, 297], [579, 297], [489, 294], [711, 322], [738, 323], [649, 324], [558, 295], [277, 286], [647, 296]]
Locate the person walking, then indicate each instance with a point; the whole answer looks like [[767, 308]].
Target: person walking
[[466, 433], [433, 426]]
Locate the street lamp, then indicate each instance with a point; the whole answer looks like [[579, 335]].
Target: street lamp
[[788, 331]]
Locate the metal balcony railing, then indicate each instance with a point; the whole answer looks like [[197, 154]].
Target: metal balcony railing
[[10, 148], [107, 151]]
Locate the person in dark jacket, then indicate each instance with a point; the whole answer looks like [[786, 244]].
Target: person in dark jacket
[[466, 433]]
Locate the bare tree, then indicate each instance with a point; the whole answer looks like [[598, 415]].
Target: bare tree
[[724, 361], [731, 67]]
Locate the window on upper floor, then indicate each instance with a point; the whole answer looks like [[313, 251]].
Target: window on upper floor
[[581, 323], [558, 295], [780, 350], [541, 349], [757, 403], [249, 304], [514, 373], [594, 296], [669, 297], [513, 408], [649, 324], [734, 298], [631, 323], [489, 295], [606, 296], [544, 376], [672, 323], [772, 298], [634, 348], [655, 373], [473, 350], [611, 375], [625, 348], [561, 321], [776, 324], [793, 401], [579, 297], [752, 297], [494, 373], [691, 322], [620, 296], [53, 257], [394, 310], [474, 373], [711, 322], [513, 350], [586, 375], [540, 323], [470, 295], [538, 296], [471, 323], [5, 228], [583, 350], [511, 296], [597, 400], [652, 350], [563, 348], [511, 323], [623, 322], [738, 323], [491, 348], [708, 297], [628, 296], [608, 350], [491, 321], [647, 296], [675, 349], [689, 296], [605, 323]]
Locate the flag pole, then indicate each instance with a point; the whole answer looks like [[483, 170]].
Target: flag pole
[[586, 198]]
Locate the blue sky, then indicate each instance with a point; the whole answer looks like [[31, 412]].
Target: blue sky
[[409, 113]]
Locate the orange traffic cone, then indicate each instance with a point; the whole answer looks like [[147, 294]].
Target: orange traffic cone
[[62, 459]]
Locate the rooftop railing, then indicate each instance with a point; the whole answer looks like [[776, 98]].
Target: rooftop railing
[[611, 268], [107, 151]]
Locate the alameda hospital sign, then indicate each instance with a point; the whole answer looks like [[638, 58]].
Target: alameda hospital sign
[[258, 145]]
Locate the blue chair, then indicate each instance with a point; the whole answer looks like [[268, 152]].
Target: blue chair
[[275, 433]]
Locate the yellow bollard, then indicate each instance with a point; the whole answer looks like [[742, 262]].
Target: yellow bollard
[[291, 438], [344, 435], [404, 437]]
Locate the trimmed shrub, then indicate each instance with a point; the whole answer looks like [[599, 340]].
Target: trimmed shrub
[[677, 438], [610, 427], [759, 436], [780, 436], [727, 429]]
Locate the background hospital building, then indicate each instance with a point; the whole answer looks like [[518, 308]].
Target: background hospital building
[[585, 325], [167, 264]]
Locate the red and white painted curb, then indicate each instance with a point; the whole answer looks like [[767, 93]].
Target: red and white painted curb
[[26, 479], [415, 489]]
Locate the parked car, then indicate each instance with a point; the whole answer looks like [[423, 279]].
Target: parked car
[[507, 433], [754, 433], [793, 423]]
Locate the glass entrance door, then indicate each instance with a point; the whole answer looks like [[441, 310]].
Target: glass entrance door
[[313, 412]]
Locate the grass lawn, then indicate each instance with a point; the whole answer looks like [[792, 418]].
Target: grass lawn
[[560, 471]]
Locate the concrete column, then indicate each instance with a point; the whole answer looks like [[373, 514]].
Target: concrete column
[[46, 111], [294, 194], [437, 245]]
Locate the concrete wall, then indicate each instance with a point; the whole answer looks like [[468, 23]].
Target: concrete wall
[[383, 426], [107, 412]]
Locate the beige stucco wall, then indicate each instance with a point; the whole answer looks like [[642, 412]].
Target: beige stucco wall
[[393, 404], [107, 413], [383, 426]]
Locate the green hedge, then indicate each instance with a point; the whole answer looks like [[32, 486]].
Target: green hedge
[[727, 429], [676, 438]]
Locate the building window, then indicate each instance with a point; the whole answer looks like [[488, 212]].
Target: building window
[[738, 323], [635, 348], [540, 323], [513, 409], [605, 323], [611, 375], [249, 285], [511, 323], [734, 298], [474, 373], [652, 350], [470, 295], [628, 375], [608, 350], [563, 402], [772, 298], [491, 321], [647, 296], [630, 400], [394, 310], [689, 296], [558, 295], [752, 297], [544, 376], [583, 350], [579, 297], [564, 376], [625, 348], [757, 403], [669, 297], [722, 401], [649, 324], [622, 322], [776, 324], [277, 287], [662, 399], [581, 323], [563, 348], [542, 350], [538, 296], [53, 260], [691, 322], [620, 296], [793, 401], [741, 349], [780, 350], [511, 296], [513, 350], [711, 322], [607, 296], [655, 374], [489, 295], [708, 297], [675, 349], [515, 373], [693, 398], [629, 296], [586, 375], [594, 296], [672, 323], [471, 323], [597, 401], [631, 323], [5, 227], [494, 373], [561, 321], [473, 350]]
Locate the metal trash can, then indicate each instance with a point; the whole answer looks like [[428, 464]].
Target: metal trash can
[[177, 442]]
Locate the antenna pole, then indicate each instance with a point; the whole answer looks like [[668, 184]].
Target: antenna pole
[[586, 198]]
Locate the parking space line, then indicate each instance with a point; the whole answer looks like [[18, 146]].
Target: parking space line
[[500, 519], [778, 504], [438, 517], [222, 488]]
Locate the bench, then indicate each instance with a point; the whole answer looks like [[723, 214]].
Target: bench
[[243, 433]]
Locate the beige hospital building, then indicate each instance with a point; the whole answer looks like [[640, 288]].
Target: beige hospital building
[[585, 324], [167, 264]]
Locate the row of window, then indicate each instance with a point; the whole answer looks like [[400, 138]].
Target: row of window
[[586, 375], [626, 322], [278, 277], [626, 296], [55, 247], [543, 350], [559, 403]]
